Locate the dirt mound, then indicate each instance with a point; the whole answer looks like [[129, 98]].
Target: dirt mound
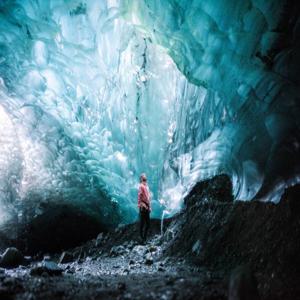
[[222, 235]]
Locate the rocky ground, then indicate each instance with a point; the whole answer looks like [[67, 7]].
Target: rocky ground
[[214, 249], [105, 269]]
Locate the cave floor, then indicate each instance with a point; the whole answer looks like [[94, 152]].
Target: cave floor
[[131, 271], [200, 253]]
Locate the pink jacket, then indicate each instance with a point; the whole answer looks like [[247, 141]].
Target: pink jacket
[[144, 197]]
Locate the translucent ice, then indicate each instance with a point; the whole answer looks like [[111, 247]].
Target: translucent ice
[[95, 92], [87, 102], [244, 123]]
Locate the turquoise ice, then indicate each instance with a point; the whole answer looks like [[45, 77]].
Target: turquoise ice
[[92, 93]]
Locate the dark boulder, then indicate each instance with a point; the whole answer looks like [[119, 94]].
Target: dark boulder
[[218, 188], [11, 258]]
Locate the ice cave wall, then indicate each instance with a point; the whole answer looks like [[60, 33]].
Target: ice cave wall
[[95, 92], [86, 104], [246, 124]]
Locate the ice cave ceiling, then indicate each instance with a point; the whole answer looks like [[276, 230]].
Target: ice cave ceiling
[[92, 93]]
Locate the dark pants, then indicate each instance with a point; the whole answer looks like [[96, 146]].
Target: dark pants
[[144, 223]]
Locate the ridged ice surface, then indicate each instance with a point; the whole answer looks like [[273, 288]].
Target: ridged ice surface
[[86, 105], [246, 55], [95, 92]]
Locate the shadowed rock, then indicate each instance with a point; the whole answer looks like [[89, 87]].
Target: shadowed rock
[[218, 188]]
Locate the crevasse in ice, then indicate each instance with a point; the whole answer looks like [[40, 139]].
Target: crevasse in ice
[[95, 92]]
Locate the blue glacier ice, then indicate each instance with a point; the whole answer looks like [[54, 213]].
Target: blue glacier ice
[[93, 93]]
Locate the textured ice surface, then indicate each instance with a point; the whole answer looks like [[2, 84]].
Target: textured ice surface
[[86, 104], [95, 92], [245, 122]]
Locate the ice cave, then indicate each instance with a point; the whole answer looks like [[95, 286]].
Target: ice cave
[[202, 96]]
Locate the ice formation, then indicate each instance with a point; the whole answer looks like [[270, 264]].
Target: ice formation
[[95, 92], [245, 120]]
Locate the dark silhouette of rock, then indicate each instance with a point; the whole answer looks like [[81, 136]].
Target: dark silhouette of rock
[[218, 188], [11, 258]]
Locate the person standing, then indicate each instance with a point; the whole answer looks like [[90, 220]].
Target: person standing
[[144, 205]]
